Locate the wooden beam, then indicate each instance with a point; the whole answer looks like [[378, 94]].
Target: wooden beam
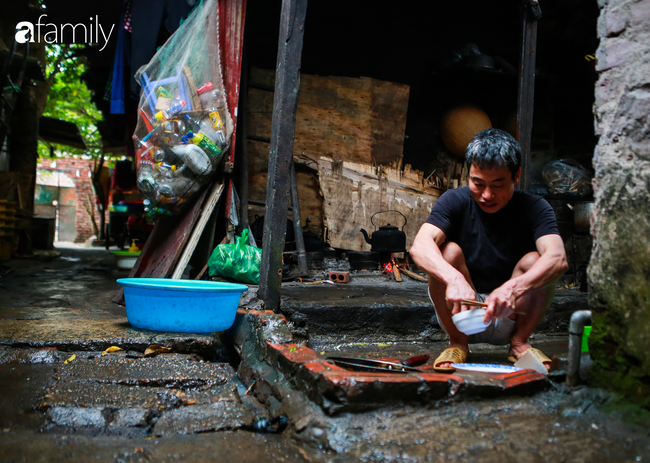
[[297, 224], [242, 147], [526, 92], [206, 213], [285, 102]]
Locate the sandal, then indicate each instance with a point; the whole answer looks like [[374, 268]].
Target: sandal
[[538, 353], [450, 355]]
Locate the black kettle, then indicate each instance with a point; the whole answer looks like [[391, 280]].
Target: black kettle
[[388, 238]]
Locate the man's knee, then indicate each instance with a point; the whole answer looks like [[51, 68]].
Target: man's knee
[[525, 263], [453, 254]]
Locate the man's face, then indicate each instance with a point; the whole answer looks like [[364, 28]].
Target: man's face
[[492, 188]]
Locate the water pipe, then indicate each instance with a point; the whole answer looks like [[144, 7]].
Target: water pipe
[[576, 329]]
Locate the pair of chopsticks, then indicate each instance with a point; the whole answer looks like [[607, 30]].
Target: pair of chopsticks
[[481, 304], [473, 303]]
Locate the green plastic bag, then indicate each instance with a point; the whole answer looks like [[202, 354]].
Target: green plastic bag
[[238, 261]]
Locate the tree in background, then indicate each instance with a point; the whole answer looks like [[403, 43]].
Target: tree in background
[[69, 99]]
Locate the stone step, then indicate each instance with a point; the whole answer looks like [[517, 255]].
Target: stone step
[[371, 311]]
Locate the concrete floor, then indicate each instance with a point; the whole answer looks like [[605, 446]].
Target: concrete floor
[[54, 307]]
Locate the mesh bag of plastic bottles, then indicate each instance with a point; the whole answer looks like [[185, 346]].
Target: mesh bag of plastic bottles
[[238, 261], [567, 176], [184, 127]]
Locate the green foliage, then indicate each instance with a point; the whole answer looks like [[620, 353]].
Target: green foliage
[[69, 99]]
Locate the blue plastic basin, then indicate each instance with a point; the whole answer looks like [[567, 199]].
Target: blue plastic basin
[[185, 306]]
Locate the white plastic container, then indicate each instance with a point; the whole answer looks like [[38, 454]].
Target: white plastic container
[[125, 260]]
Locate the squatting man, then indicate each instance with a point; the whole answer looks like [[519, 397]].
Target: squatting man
[[488, 242]]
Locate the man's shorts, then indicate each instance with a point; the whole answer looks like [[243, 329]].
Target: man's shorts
[[498, 332]]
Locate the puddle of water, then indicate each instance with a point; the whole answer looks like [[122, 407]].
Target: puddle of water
[[22, 386]]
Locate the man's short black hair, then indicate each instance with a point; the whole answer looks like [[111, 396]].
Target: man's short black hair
[[494, 149]]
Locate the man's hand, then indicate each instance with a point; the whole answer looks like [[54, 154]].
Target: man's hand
[[501, 303], [458, 290]]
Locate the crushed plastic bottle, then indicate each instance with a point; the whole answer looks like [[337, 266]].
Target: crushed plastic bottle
[[194, 157]]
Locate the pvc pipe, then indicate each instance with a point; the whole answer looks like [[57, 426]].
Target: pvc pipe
[[576, 329]]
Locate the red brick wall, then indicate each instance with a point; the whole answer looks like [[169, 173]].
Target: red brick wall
[[83, 189]]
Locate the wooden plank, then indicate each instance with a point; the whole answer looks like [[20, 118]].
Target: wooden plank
[[396, 274], [297, 224], [311, 199], [164, 245], [285, 102], [414, 275], [355, 119], [388, 121], [526, 91], [206, 212], [191, 88], [334, 118], [351, 197]]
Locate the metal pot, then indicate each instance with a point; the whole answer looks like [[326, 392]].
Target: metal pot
[[581, 215], [388, 238]]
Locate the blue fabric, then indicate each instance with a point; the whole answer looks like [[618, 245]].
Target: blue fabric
[[117, 89]]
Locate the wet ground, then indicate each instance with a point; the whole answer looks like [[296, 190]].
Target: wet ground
[[190, 405]]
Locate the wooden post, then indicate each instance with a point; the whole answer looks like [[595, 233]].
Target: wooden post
[[285, 102], [297, 223], [242, 146], [526, 94]]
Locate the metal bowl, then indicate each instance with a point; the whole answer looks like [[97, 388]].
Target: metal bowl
[[581, 217]]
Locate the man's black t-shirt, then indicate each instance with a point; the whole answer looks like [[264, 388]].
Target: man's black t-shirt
[[493, 243]]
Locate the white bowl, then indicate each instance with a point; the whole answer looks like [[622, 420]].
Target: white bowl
[[125, 260], [470, 321]]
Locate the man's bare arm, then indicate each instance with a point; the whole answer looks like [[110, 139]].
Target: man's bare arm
[[547, 269], [551, 265], [426, 253]]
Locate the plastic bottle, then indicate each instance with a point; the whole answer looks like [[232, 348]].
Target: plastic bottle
[[166, 170], [146, 180], [134, 247], [217, 124], [209, 97], [159, 155], [147, 185], [176, 108], [165, 192], [174, 126], [149, 139], [172, 131], [173, 191], [204, 125], [207, 145], [194, 158], [216, 120], [167, 114]]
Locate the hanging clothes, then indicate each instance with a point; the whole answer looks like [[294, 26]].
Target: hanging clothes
[[147, 19], [122, 61]]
